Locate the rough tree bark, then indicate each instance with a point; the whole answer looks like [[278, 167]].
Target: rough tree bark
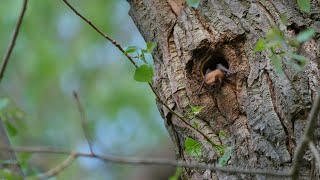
[[260, 111]]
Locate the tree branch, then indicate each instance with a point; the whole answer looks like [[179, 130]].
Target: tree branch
[[140, 161], [100, 32], [56, 170], [315, 152], [13, 40], [307, 137], [83, 120]]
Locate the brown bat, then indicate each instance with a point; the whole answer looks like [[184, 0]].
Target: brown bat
[[215, 77]]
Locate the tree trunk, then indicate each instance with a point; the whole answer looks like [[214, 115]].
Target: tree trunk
[[260, 111]]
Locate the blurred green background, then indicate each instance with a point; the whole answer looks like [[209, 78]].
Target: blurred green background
[[56, 53]]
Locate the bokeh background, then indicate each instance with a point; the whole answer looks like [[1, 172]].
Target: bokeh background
[[56, 53]]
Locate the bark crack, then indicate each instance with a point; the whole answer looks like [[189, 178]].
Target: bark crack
[[274, 99]]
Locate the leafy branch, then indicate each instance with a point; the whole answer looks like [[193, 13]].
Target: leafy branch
[[276, 42], [142, 161], [144, 73]]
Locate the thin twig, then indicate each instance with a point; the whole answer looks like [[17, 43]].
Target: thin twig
[[151, 161], [100, 32], [84, 121], [307, 137], [59, 168], [315, 152], [13, 40]]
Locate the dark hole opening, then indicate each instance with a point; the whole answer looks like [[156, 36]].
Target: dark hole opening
[[296, 29], [216, 58]]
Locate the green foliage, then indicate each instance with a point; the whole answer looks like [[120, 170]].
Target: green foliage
[[193, 3], [304, 5], [276, 61], [195, 110], [226, 156], [305, 35], [276, 42], [195, 124], [219, 148], [150, 46], [131, 49], [3, 103], [9, 175], [144, 73], [11, 129], [191, 114], [177, 174], [260, 46], [193, 147], [222, 134], [8, 113], [301, 60], [24, 159]]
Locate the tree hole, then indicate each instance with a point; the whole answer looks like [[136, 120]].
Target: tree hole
[[295, 28], [212, 62]]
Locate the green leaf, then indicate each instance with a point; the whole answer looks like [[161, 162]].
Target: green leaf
[[193, 3], [222, 134], [151, 71], [23, 159], [195, 124], [177, 174], [276, 35], [193, 148], [151, 46], [143, 58], [196, 109], [293, 43], [276, 61], [9, 175], [226, 156], [298, 61], [10, 128], [305, 35], [131, 49], [3, 103], [260, 46], [302, 61], [144, 73], [304, 5], [219, 148]]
